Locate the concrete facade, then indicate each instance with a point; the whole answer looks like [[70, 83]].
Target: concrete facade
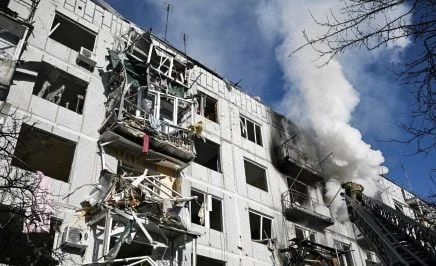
[[233, 244]]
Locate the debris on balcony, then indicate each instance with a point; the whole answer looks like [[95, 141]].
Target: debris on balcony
[[149, 98], [306, 252], [142, 209]]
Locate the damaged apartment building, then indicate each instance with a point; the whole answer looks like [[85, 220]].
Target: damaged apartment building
[[151, 158]]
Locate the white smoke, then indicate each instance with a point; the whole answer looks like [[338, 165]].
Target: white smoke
[[323, 98]]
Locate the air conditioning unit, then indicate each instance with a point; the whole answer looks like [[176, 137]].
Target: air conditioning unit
[[74, 239], [86, 57]]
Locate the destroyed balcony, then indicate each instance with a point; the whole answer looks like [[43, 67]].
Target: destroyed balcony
[[148, 113], [300, 207], [298, 164]]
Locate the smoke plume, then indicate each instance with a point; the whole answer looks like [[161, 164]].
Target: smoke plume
[[322, 98]]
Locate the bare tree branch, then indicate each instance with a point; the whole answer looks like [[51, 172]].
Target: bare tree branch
[[371, 24]]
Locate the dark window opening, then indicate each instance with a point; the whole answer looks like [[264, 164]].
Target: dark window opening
[[19, 248], [166, 109], [251, 131], [301, 233], [204, 215], [70, 34], [205, 261], [260, 226], [61, 88], [37, 150], [207, 107], [216, 222], [346, 259], [299, 192], [134, 249], [207, 154], [196, 205], [255, 175]]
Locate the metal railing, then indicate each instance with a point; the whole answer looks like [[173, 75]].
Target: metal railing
[[420, 234], [384, 228], [298, 157], [295, 199]]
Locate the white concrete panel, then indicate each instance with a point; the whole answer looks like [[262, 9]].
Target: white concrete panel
[[240, 171], [82, 170], [69, 119], [199, 172], [215, 84], [224, 119], [235, 126], [79, 9], [93, 109], [216, 178], [216, 240], [231, 223], [71, 2], [227, 166], [20, 93], [43, 108], [89, 9], [98, 16], [58, 50]]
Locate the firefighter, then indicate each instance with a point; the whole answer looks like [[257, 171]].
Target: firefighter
[[353, 190]]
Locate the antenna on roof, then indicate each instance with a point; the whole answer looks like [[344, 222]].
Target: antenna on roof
[[166, 23], [185, 40]]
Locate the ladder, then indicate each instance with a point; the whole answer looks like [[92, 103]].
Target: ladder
[[396, 238]]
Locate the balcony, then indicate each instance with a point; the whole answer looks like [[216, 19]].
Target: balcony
[[300, 207], [148, 112], [298, 164]]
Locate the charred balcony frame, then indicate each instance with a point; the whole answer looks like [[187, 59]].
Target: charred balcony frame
[[296, 163], [298, 207], [149, 95]]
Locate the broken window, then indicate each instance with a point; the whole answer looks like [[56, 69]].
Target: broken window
[[255, 175], [61, 88], [71, 34], [207, 154], [206, 211], [207, 107], [299, 192], [346, 259], [251, 130], [301, 233], [260, 226], [209, 262], [38, 150]]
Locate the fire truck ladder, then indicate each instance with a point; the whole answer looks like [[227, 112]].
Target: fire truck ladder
[[396, 238]]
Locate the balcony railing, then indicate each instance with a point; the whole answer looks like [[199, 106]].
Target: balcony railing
[[296, 205], [291, 153]]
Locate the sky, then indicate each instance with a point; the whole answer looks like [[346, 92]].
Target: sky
[[354, 104]]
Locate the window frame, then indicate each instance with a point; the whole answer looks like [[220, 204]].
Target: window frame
[[262, 217], [202, 100], [306, 233], [23, 146], [264, 171], [62, 16], [347, 259], [257, 130], [207, 214], [209, 142]]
